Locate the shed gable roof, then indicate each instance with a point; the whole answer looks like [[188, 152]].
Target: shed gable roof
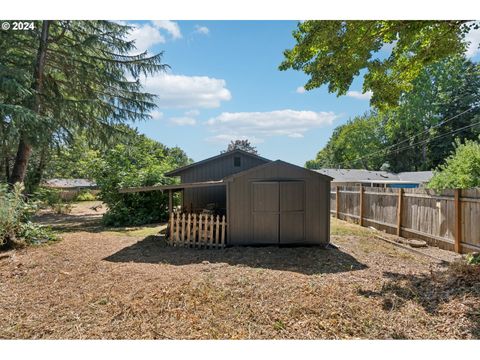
[[275, 163], [214, 158]]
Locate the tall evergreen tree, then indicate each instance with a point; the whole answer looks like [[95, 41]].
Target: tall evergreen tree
[[68, 75]]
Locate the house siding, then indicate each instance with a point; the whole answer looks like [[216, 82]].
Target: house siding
[[196, 199]]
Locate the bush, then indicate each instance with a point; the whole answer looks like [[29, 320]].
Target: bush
[[473, 259], [15, 214], [50, 198], [47, 197], [36, 234], [138, 162], [85, 195], [461, 169]]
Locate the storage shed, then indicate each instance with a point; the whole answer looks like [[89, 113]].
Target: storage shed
[[259, 202], [278, 203]]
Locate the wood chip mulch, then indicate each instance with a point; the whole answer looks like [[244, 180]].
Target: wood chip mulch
[[105, 285]]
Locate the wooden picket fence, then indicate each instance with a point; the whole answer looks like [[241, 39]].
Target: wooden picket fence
[[197, 230]]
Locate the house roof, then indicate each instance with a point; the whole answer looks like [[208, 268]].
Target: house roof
[[350, 175], [213, 158], [69, 183], [417, 176], [272, 163]]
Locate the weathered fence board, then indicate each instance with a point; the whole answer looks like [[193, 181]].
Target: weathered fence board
[[420, 213], [207, 232]]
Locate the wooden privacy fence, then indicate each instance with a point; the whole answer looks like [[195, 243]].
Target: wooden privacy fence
[[449, 219], [197, 230]]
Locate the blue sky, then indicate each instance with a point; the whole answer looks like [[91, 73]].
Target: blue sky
[[224, 84]]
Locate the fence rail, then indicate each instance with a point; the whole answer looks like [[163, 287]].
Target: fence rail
[[449, 219], [197, 230]]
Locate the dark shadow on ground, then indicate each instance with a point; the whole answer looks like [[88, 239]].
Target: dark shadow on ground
[[67, 223], [305, 260], [432, 290], [71, 222]]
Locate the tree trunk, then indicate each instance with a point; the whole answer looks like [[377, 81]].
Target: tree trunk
[[7, 167], [21, 161], [24, 147], [5, 156], [38, 174]]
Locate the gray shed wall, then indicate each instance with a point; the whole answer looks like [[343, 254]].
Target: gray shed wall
[[196, 199], [316, 203]]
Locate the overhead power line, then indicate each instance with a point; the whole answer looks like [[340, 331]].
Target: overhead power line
[[387, 149]]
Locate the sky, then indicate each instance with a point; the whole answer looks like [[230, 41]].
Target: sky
[[224, 84]]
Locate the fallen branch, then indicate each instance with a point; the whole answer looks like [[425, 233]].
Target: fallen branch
[[411, 249]]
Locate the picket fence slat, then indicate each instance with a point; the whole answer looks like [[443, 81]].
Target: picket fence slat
[[197, 231]]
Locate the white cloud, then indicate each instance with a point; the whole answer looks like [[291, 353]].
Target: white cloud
[[226, 138], [473, 40], [181, 91], [202, 30], [171, 26], [300, 90], [145, 37], [360, 96], [150, 34], [182, 121], [192, 113], [259, 125], [295, 135], [156, 115]]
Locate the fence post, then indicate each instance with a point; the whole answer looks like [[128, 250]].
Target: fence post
[[399, 211], [361, 205], [458, 222], [337, 200]]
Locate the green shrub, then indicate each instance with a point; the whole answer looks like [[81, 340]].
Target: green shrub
[[461, 169], [47, 197], [137, 162], [473, 259], [36, 234], [15, 214], [85, 195], [50, 198]]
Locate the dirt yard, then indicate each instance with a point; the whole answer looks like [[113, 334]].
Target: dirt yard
[[124, 283]]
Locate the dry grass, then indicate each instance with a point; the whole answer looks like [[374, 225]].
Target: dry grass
[[126, 284]]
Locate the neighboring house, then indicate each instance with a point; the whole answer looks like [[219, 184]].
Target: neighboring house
[[69, 189], [356, 177], [70, 184], [265, 202]]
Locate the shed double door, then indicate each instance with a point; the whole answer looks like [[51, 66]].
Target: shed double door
[[278, 212]]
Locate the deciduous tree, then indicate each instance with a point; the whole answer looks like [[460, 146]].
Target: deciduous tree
[[333, 53]]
